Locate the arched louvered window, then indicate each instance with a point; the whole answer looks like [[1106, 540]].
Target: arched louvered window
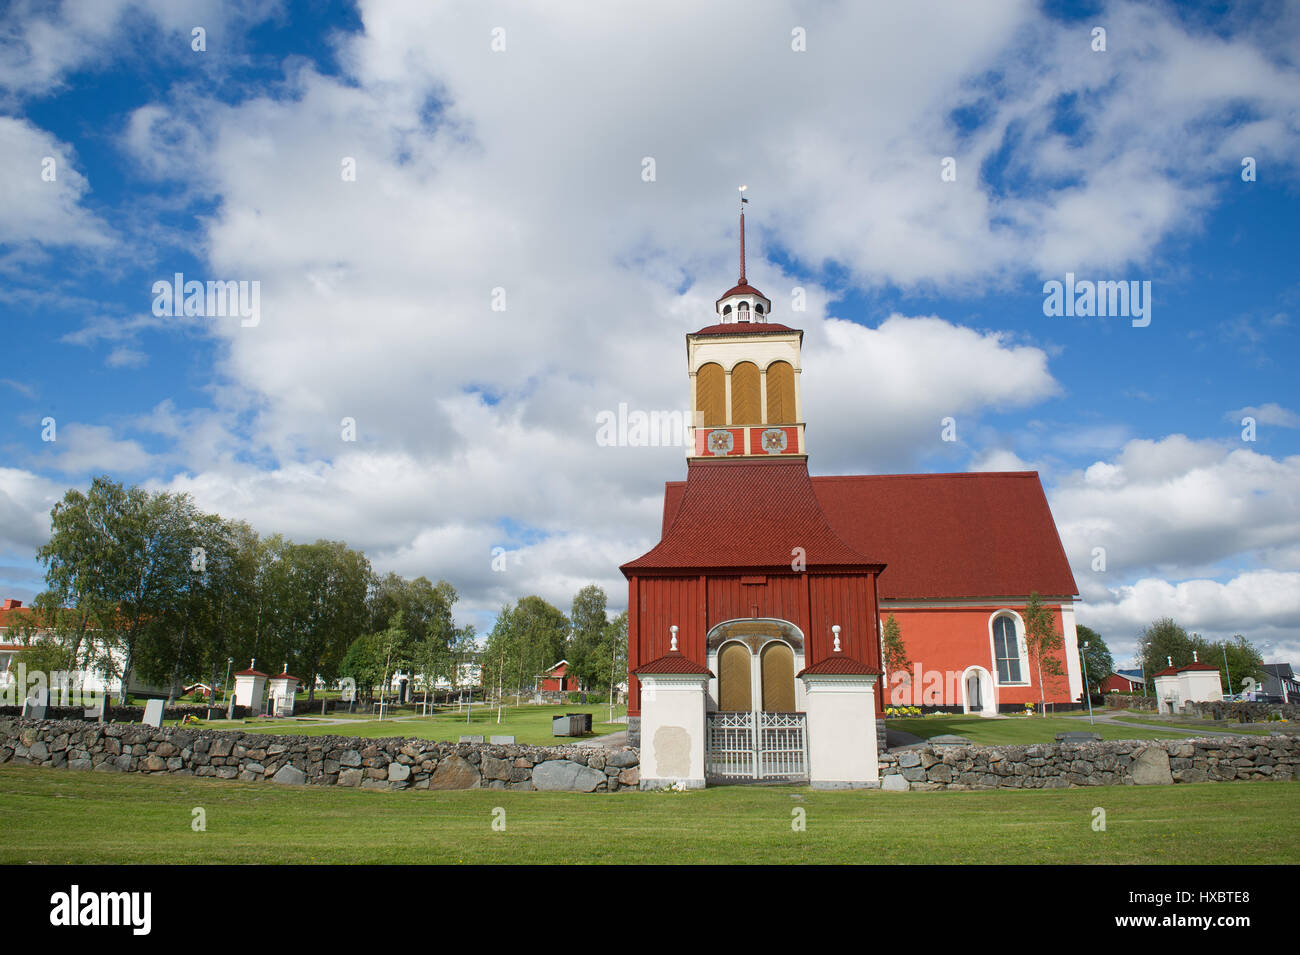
[[711, 395], [778, 678], [745, 407], [733, 679], [780, 393]]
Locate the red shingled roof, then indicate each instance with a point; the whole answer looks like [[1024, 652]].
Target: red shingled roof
[[748, 513], [250, 673], [746, 328], [674, 661], [943, 535], [744, 288], [840, 663]]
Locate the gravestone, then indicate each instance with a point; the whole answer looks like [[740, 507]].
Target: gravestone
[[99, 709], [230, 708], [153, 713], [502, 740], [471, 739], [33, 710]]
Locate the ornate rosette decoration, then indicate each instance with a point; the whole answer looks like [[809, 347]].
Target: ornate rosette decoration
[[721, 442], [775, 440]]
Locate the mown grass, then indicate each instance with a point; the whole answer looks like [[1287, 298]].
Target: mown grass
[[528, 724], [54, 816], [1013, 730]]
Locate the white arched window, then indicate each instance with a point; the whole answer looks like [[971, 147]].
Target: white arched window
[[1008, 650]]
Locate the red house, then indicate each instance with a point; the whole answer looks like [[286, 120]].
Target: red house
[[758, 561], [557, 680]]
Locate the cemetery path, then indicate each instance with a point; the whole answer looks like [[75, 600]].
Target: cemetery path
[[610, 741], [1121, 721]]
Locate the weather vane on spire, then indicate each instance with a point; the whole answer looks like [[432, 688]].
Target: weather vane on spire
[[743, 200]]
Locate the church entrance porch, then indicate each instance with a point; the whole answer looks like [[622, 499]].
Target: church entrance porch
[[756, 732]]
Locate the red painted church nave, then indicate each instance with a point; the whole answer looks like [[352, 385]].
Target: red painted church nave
[[759, 560]]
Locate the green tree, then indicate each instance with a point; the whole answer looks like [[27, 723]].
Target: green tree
[[364, 661], [1160, 643], [894, 650], [322, 593], [1241, 658], [611, 655], [527, 638], [589, 619], [1042, 640], [1097, 661], [122, 555]]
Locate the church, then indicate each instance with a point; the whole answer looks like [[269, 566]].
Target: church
[[755, 625]]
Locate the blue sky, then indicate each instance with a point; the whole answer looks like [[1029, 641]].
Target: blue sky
[[521, 169]]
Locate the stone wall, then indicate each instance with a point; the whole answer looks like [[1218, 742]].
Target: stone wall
[[1122, 701], [128, 714], [315, 760], [1244, 711], [1117, 763]]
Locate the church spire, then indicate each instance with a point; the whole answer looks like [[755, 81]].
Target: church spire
[[743, 303], [743, 200]]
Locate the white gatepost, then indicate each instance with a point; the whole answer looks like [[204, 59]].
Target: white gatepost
[[842, 748], [674, 690]]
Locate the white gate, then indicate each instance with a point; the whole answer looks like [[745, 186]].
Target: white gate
[[756, 746]]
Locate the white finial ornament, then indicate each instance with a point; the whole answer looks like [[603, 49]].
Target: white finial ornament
[[836, 630], [1195, 658], [1171, 660], [673, 631]]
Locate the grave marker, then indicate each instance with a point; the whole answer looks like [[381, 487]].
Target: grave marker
[[153, 713]]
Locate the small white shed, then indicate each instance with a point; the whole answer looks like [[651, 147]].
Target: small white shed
[[1194, 682]]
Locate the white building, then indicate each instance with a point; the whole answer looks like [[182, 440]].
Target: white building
[[1194, 683]]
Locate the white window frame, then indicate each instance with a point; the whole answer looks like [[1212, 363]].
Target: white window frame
[[1019, 625]]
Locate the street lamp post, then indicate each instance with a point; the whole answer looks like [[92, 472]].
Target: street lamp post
[[1226, 671], [1083, 661]]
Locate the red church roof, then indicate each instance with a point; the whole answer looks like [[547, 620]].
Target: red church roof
[[746, 328], [942, 535], [747, 514]]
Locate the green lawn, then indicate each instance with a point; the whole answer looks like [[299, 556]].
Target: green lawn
[[1012, 730], [54, 816], [528, 724]]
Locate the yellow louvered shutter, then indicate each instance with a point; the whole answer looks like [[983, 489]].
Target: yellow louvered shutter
[[711, 395], [780, 393], [745, 408]]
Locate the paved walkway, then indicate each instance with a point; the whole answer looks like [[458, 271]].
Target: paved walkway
[[1123, 721]]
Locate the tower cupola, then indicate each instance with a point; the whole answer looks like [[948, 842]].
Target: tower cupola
[[745, 371]]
